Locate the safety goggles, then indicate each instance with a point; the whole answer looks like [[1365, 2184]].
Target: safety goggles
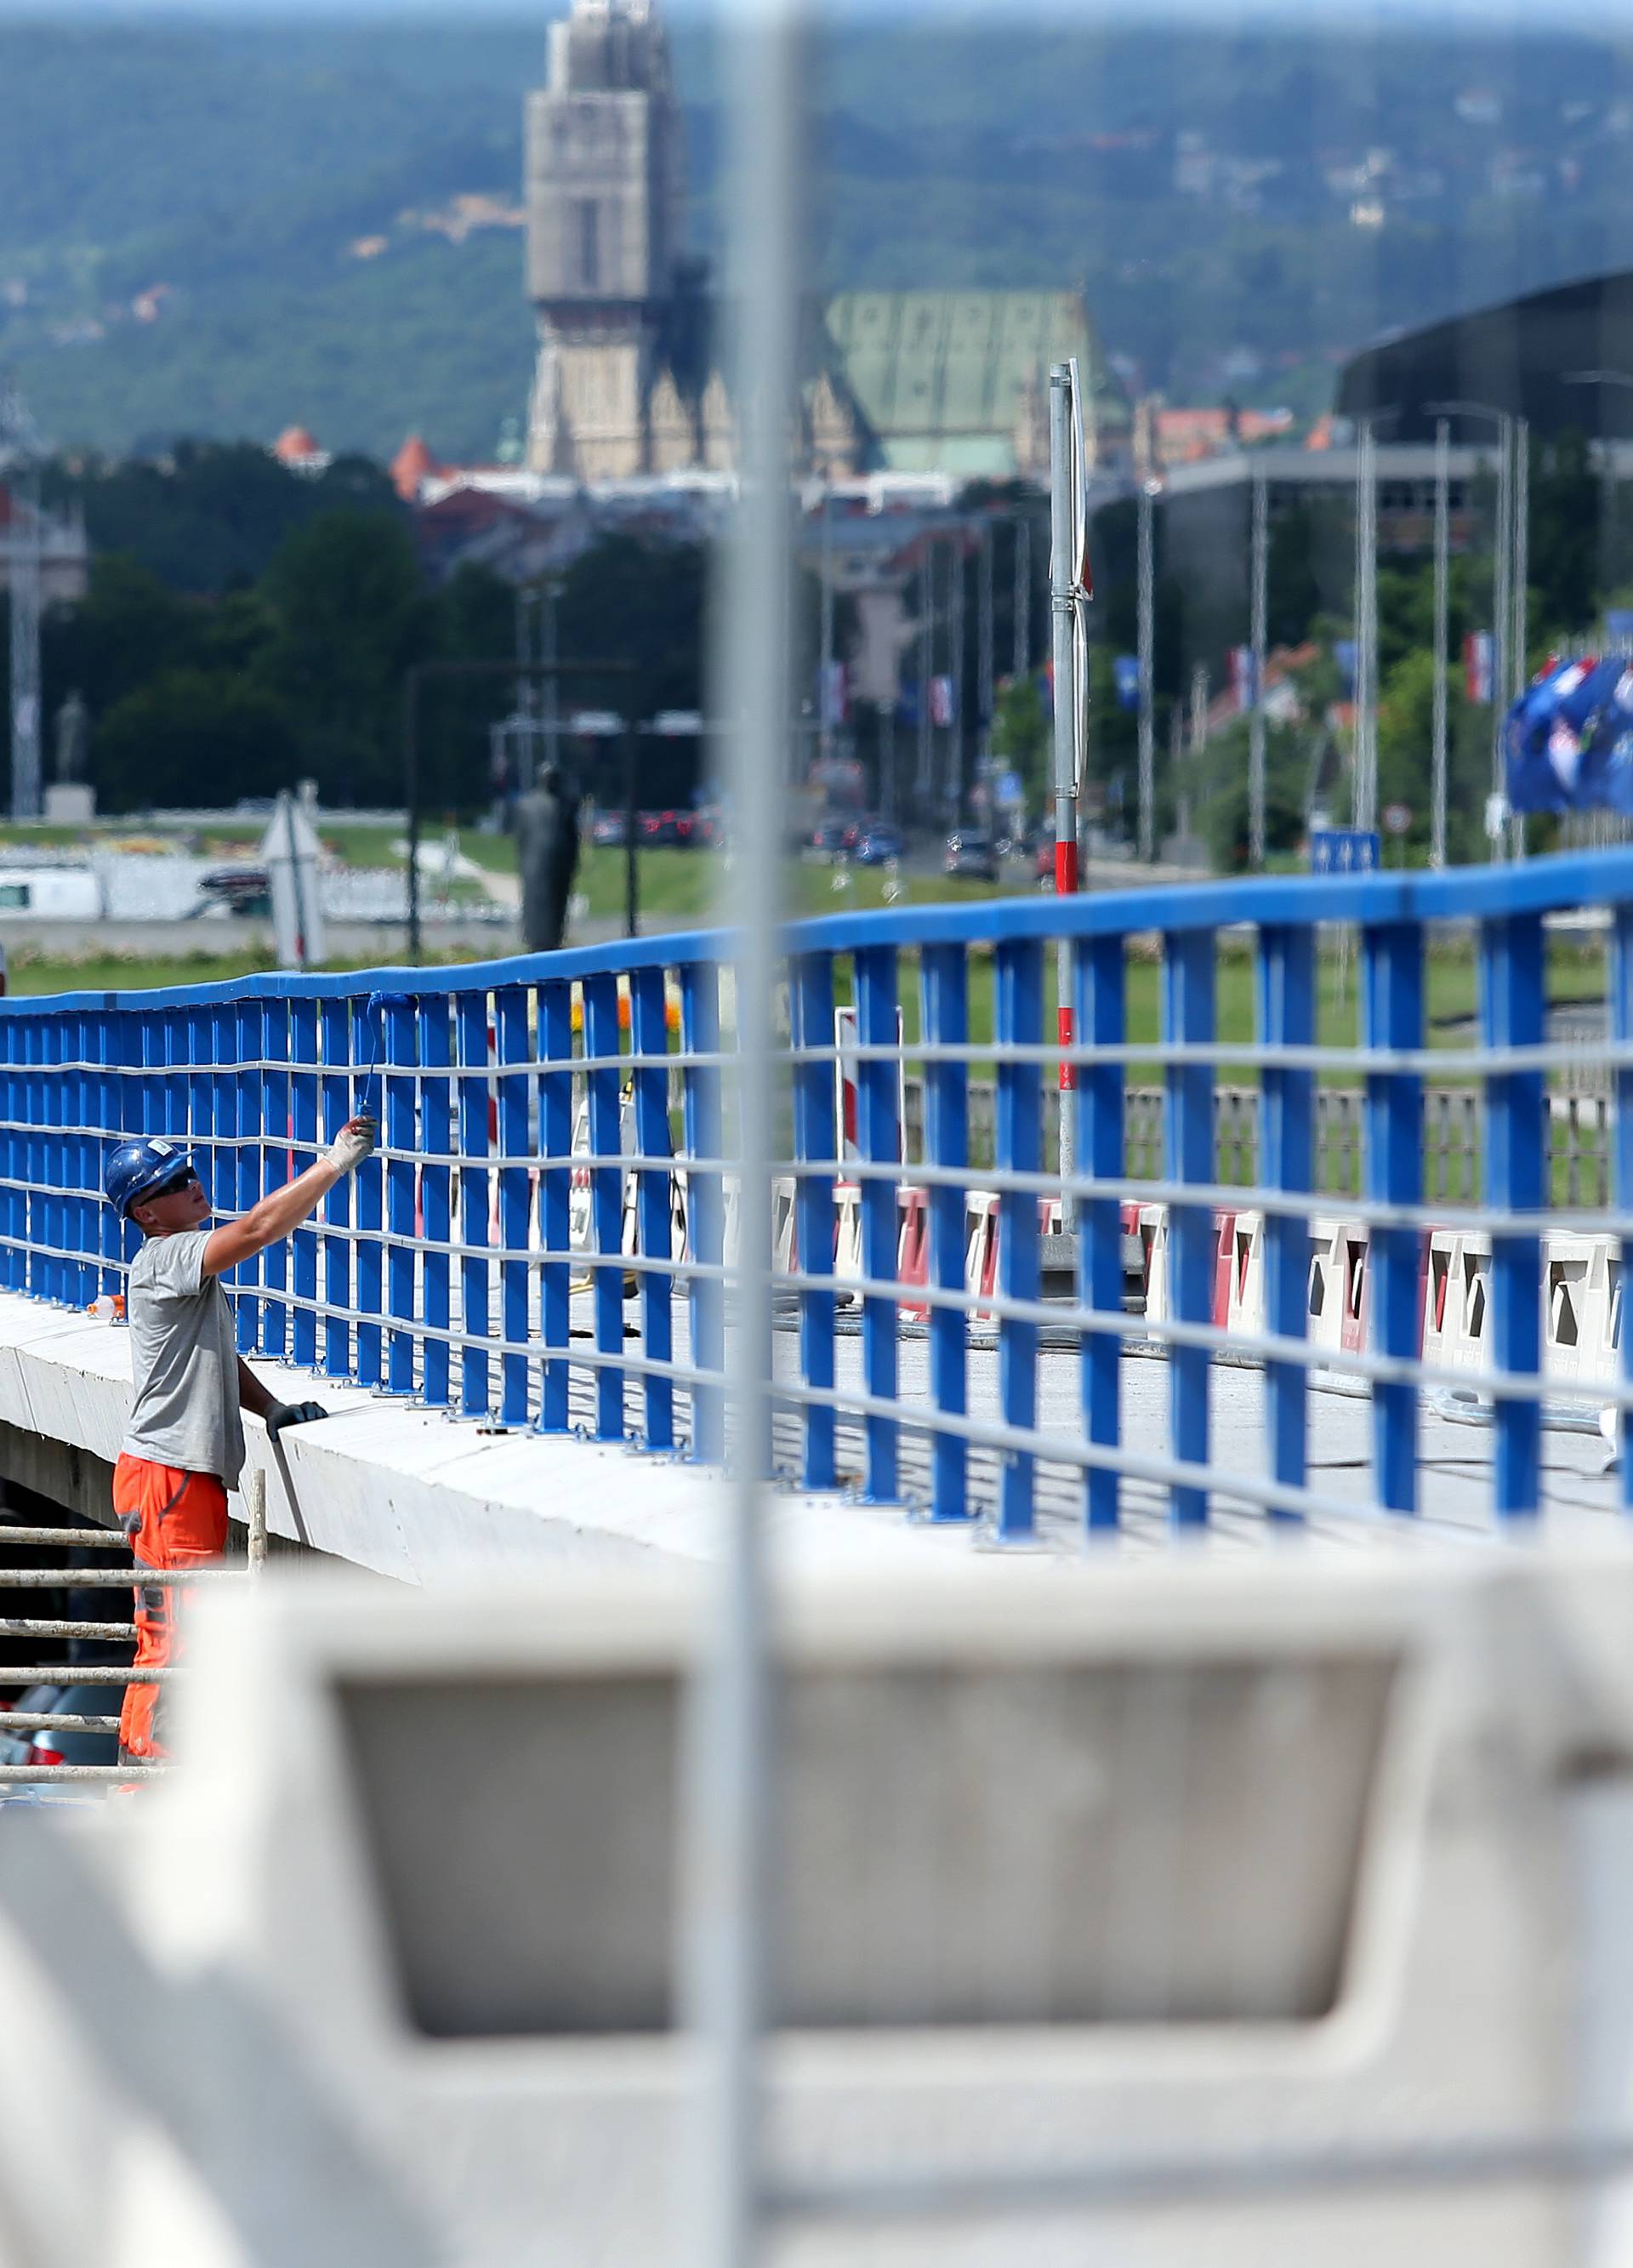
[[180, 1179]]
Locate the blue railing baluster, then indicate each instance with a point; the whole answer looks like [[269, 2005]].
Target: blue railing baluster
[[475, 1176], [649, 1035], [53, 1161], [1187, 1019], [303, 1026], [879, 1128], [1018, 989], [811, 1005], [402, 1173], [1511, 1014], [1620, 990], [275, 1131], [1392, 1010], [368, 1040], [600, 1040], [246, 1275], [515, 1202], [1286, 973], [555, 1135], [943, 980], [336, 1030], [1102, 1021], [705, 1201], [15, 1202], [436, 1142]]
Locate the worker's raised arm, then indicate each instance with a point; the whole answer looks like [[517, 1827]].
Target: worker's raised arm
[[283, 1210]]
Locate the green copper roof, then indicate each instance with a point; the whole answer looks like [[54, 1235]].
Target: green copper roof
[[941, 376]]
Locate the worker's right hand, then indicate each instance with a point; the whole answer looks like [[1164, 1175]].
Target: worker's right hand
[[355, 1142]]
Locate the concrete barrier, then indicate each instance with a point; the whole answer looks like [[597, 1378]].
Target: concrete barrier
[[1364, 1897]]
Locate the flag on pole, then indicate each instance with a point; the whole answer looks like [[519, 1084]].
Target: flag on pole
[[1125, 671], [1478, 668], [1242, 678], [943, 704]]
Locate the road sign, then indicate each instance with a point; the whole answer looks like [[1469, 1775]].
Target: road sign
[[1342, 850], [1397, 817]]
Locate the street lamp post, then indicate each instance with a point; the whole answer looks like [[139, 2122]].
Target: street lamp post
[[1504, 564], [1621, 382], [1147, 641]]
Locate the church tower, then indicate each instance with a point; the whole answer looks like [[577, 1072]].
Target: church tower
[[605, 209]]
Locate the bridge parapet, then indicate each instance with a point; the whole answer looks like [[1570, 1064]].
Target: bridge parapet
[[548, 1238]]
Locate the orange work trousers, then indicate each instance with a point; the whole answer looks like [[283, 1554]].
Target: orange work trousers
[[173, 1520]]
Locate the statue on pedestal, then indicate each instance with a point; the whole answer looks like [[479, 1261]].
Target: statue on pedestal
[[547, 852], [73, 740]]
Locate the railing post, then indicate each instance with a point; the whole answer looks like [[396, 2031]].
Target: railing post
[[304, 1121], [337, 1242], [475, 1207], [879, 1133], [1620, 988], [649, 1036], [555, 1140], [1187, 1019], [1020, 1023], [436, 1225], [700, 1034], [600, 1040], [13, 1199], [811, 1008], [1512, 990], [402, 1149], [246, 1275], [509, 1008], [1392, 1005], [1100, 979], [1287, 966], [944, 981], [276, 1124]]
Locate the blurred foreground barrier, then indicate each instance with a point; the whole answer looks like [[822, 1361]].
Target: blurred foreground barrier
[[1287, 1898], [546, 1238]]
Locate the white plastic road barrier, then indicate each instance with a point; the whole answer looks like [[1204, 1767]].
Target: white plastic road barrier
[[1243, 1309], [1364, 1904], [847, 1236], [1154, 1233], [981, 1249], [1581, 1283]]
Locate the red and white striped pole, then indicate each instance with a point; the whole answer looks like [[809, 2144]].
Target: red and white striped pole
[[1064, 570]]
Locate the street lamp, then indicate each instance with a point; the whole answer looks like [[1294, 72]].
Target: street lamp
[[1365, 760], [1508, 635], [1607, 469]]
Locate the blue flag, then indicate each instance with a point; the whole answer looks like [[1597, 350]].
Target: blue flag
[[1126, 673]]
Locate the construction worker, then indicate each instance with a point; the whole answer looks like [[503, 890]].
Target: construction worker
[[184, 1445]]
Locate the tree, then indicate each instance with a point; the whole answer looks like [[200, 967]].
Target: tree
[[192, 736], [1021, 735], [351, 613]]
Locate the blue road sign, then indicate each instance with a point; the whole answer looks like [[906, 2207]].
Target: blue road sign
[[1342, 850]]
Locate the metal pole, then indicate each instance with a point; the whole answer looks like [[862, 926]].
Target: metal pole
[[1365, 767], [926, 656], [1443, 562], [1147, 643], [1502, 599], [632, 883], [984, 649], [729, 1756], [955, 719], [411, 797], [1062, 616], [1521, 508], [1261, 616], [825, 727], [552, 593]]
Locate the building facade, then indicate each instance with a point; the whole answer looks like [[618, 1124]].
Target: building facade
[[629, 382]]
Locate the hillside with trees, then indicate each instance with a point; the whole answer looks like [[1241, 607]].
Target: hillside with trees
[[211, 231]]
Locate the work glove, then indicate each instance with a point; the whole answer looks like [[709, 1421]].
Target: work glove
[[291, 1413], [353, 1143]]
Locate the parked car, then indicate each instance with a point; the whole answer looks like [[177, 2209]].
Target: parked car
[[972, 856], [835, 838], [877, 845], [54, 1746], [610, 829]]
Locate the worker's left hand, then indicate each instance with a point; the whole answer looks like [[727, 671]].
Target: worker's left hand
[[292, 1413]]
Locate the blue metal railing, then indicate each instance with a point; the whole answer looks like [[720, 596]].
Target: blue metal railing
[[449, 1270]]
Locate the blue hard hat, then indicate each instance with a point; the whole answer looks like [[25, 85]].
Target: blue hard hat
[[137, 1169]]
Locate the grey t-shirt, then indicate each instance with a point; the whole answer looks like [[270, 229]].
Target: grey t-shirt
[[183, 1361]]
